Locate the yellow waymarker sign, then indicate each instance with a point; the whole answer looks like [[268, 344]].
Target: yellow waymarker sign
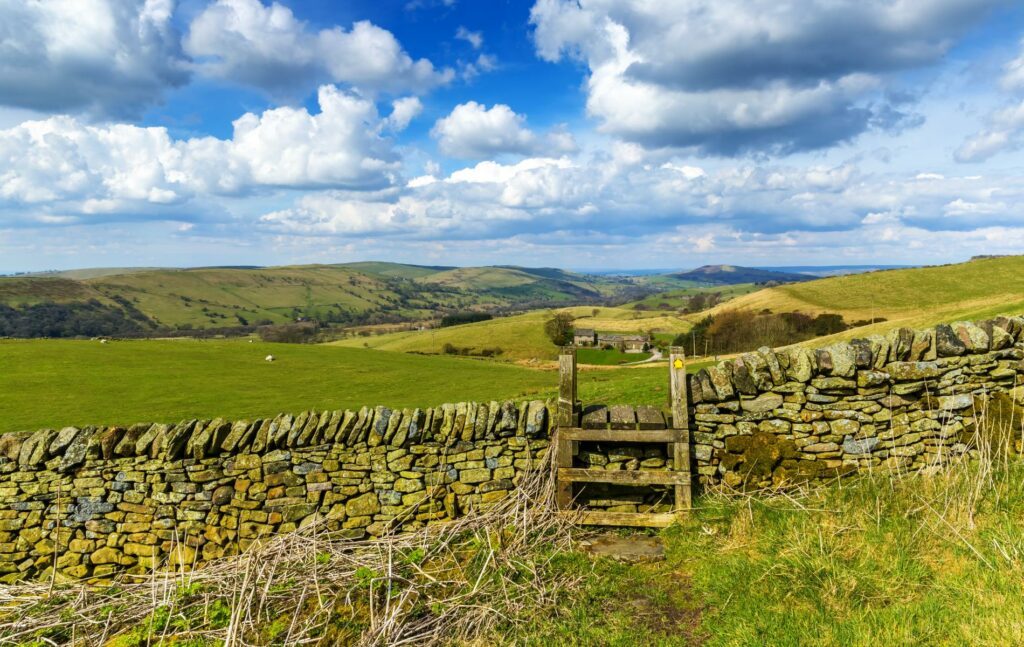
[[678, 363]]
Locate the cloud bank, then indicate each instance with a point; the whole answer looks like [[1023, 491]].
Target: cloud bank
[[707, 76]]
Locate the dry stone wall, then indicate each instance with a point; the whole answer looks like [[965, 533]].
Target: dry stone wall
[[95, 501], [92, 502], [903, 401]]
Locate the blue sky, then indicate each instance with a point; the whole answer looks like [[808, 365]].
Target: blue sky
[[589, 134]]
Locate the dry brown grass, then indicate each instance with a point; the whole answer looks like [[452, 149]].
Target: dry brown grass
[[449, 583]]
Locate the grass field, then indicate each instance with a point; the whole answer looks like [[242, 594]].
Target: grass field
[[599, 357], [644, 384], [519, 337], [54, 383]]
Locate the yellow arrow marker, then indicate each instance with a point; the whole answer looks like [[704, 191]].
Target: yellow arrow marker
[[678, 363]]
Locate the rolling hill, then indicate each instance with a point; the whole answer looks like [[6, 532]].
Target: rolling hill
[[521, 337], [733, 274], [347, 294], [677, 299], [917, 297], [908, 297]]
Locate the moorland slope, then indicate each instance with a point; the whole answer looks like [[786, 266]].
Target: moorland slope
[[916, 298]]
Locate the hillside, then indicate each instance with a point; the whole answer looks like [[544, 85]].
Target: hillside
[[398, 270], [915, 297], [732, 274], [679, 299], [520, 337], [528, 284], [349, 294]]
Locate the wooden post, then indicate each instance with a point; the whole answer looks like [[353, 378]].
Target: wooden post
[[567, 387], [561, 445], [681, 424]]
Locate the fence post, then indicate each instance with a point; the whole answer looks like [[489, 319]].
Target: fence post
[[681, 423], [567, 387], [566, 418]]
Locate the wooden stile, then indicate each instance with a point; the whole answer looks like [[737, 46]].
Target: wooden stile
[[621, 424]]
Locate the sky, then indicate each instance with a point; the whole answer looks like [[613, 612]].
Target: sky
[[609, 134]]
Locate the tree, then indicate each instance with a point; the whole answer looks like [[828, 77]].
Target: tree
[[559, 329]]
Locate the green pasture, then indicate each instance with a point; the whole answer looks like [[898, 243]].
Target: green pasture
[[55, 383], [611, 357]]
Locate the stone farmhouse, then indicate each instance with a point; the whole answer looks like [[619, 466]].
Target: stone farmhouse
[[584, 337], [626, 343]]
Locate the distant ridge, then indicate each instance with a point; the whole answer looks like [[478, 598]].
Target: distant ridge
[[834, 270], [734, 274]]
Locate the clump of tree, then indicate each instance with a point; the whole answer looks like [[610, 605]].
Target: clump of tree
[[703, 301], [294, 333], [559, 329], [89, 319], [737, 331], [452, 349], [459, 318]]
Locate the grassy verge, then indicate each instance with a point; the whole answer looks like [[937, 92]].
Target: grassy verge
[[914, 561], [931, 558]]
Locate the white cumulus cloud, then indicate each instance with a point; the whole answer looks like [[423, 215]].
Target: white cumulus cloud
[[474, 38], [474, 131], [245, 41], [63, 164], [109, 58], [403, 111], [1004, 127]]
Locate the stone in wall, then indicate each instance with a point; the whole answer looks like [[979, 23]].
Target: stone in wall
[[620, 498], [900, 401], [92, 502]]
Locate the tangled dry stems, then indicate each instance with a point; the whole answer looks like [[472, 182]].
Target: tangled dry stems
[[447, 583]]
